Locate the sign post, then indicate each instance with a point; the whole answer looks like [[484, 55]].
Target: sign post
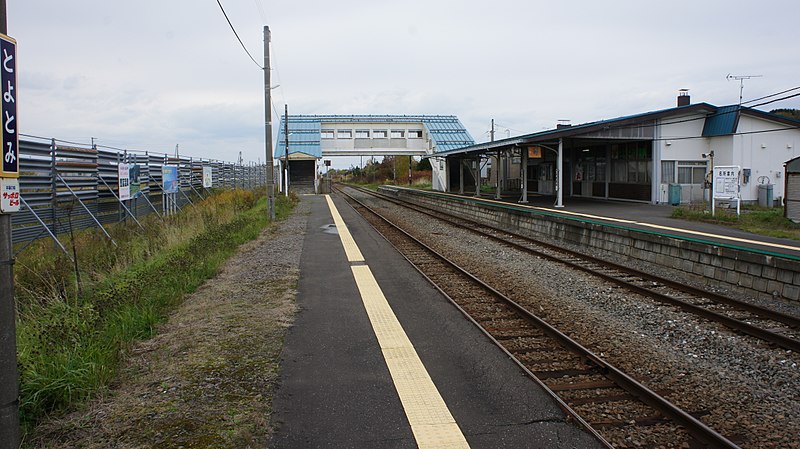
[[726, 186], [9, 185]]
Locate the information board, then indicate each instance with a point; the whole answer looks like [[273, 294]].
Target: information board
[[726, 182]]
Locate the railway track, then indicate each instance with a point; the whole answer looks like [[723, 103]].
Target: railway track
[[611, 404], [776, 328]]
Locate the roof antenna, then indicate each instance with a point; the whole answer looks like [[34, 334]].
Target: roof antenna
[[741, 79]]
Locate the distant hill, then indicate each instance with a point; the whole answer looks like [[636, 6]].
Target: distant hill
[[791, 113]]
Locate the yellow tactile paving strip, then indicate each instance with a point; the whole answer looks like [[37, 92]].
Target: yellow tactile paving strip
[[431, 422], [350, 247]]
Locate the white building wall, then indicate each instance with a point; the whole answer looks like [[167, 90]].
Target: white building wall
[[764, 153], [387, 144], [680, 138]]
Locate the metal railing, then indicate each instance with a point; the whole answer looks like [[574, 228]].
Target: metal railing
[[62, 184]]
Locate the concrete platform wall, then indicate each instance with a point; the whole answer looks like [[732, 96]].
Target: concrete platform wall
[[755, 274]]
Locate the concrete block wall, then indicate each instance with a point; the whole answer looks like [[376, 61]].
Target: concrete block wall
[[759, 275]]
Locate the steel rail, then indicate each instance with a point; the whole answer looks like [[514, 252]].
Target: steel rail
[[694, 426], [737, 325]]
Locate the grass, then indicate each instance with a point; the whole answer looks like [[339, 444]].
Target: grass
[[758, 220], [70, 343]]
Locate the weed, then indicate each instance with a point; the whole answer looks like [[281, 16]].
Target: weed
[[70, 341]]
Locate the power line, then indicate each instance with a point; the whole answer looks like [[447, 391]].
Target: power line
[[714, 114], [773, 95], [777, 99], [237, 36]]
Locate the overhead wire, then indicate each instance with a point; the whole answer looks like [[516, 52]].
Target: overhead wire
[[772, 95], [237, 36]]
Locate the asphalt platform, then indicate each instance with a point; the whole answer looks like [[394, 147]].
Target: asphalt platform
[[335, 389]]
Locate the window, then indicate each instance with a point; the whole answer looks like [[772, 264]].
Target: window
[[691, 172], [362, 134], [667, 172], [632, 163], [379, 134], [344, 134], [326, 134], [414, 134], [398, 133]]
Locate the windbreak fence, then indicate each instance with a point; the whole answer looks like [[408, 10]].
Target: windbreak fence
[[63, 185]]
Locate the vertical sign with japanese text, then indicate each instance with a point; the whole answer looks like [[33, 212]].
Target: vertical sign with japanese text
[[123, 174], [8, 114]]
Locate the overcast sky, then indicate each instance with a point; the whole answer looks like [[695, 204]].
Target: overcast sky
[[150, 74]]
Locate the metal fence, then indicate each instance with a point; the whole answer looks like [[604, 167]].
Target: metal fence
[[63, 183]]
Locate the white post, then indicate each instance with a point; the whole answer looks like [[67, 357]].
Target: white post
[[524, 171], [560, 175]]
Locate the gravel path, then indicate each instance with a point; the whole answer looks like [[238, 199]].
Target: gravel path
[[747, 390]]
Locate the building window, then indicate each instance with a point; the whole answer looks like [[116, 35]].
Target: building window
[[326, 134], [398, 134], [362, 134], [691, 172], [379, 134], [414, 134], [344, 134], [632, 163], [667, 172]]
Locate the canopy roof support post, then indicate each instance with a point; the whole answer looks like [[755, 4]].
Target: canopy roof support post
[[560, 175], [461, 176], [523, 170], [497, 170]]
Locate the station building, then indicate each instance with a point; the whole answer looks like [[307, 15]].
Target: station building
[[313, 137], [655, 157]]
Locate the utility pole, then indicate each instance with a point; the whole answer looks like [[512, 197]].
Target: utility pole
[[268, 127], [286, 138], [9, 377]]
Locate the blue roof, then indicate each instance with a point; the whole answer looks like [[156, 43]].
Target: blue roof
[[305, 139], [722, 122], [446, 131]]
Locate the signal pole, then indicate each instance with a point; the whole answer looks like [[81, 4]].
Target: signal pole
[[9, 377]]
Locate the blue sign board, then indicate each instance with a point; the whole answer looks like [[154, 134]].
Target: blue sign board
[[169, 174], [8, 112]]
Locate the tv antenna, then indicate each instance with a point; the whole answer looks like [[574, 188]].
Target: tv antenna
[[741, 79]]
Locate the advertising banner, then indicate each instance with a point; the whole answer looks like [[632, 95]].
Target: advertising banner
[[123, 171], [208, 182], [129, 184], [10, 196], [169, 174]]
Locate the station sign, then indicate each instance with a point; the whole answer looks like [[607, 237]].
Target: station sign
[[8, 111], [535, 152]]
